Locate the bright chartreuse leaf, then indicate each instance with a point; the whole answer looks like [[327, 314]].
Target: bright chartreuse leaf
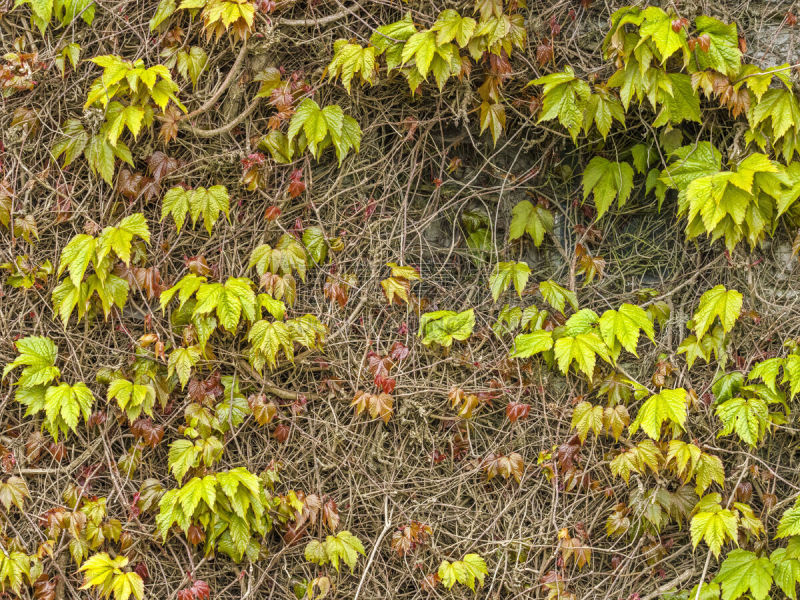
[[132, 398], [444, 326], [717, 302], [583, 350], [467, 571], [37, 356], [622, 327], [528, 344], [747, 417], [666, 406], [743, 572], [587, 417], [713, 524]]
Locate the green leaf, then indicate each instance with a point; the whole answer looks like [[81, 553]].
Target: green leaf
[[587, 417], [565, 98], [76, 256], [530, 219], [181, 360], [343, 546], [163, 12], [583, 349], [506, 273], [64, 404], [267, 339], [315, 553], [444, 326], [132, 398], [209, 203], [657, 27], [38, 356], [450, 26], [712, 524], [466, 571], [717, 302], [176, 203], [183, 455], [723, 53], [420, 47], [786, 567], [351, 59], [743, 572], [315, 243], [120, 237], [191, 64], [528, 344], [747, 417], [667, 405], [72, 141], [557, 296], [607, 180], [231, 300], [789, 524], [493, 118], [624, 325]]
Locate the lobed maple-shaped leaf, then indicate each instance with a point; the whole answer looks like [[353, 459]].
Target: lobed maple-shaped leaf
[[666, 406], [607, 180], [717, 303], [563, 98], [466, 571], [744, 572], [105, 573], [132, 398], [506, 273], [37, 355], [713, 524]]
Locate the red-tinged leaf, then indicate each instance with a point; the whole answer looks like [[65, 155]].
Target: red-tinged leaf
[[160, 165], [387, 384], [195, 535], [145, 430], [544, 52], [281, 433], [517, 410], [44, 588], [330, 515], [169, 124], [272, 213], [399, 351]]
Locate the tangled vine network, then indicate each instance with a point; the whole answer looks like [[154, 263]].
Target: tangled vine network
[[399, 299]]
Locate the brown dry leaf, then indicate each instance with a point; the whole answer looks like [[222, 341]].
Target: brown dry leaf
[[263, 412], [505, 466]]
